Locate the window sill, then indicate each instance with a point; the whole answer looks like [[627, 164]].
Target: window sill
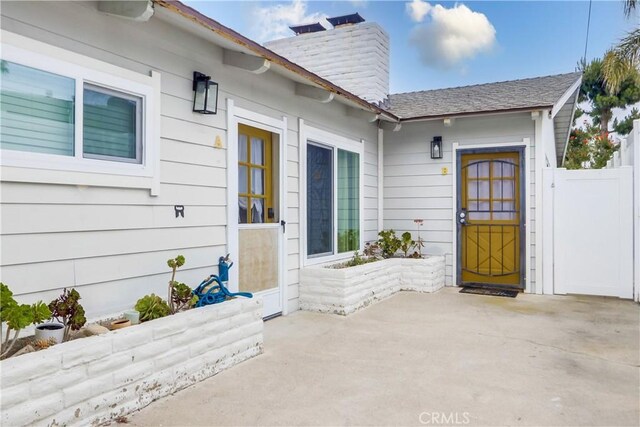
[[329, 259], [75, 177]]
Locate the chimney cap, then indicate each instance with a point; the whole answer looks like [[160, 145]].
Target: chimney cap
[[354, 18], [307, 28]]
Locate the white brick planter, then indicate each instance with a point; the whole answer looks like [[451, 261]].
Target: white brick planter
[[96, 379], [345, 290]]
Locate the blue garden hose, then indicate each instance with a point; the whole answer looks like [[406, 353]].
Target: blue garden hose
[[217, 293]]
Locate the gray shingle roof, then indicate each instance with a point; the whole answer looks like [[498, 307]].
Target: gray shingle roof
[[515, 94]]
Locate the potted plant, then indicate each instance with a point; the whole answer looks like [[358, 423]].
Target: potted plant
[[18, 316], [132, 316], [120, 323], [51, 330], [67, 310]]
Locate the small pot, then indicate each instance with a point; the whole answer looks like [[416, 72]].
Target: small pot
[[133, 316], [120, 323], [54, 330]]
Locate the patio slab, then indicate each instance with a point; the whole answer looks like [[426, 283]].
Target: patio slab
[[431, 359]]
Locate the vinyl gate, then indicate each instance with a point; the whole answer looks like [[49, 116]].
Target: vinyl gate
[[593, 232]]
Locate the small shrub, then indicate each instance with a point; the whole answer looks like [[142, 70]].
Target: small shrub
[[182, 297], [389, 243], [372, 250], [67, 310], [18, 316], [406, 243], [356, 260], [152, 307]]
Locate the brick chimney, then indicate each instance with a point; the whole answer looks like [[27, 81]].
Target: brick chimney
[[353, 54]]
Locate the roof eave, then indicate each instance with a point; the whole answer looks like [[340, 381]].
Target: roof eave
[[475, 113], [237, 38], [565, 97], [569, 94]]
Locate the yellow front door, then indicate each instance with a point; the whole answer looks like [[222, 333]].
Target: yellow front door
[[259, 228], [489, 219]]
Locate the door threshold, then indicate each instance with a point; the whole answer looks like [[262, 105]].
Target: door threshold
[[492, 292], [517, 288], [272, 316]]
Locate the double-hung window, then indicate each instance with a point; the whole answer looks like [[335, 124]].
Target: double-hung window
[[333, 198], [75, 114]]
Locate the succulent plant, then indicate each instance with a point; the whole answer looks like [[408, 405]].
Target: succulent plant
[[18, 316], [152, 307], [67, 310]]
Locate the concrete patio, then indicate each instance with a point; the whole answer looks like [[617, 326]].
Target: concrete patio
[[443, 358]]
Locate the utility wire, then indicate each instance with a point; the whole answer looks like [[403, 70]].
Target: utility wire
[[586, 42]]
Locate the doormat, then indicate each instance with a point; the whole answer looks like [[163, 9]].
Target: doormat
[[490, 292]]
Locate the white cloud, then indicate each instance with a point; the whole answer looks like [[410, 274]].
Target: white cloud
[[272, 22], [451, 36], [418, 9]]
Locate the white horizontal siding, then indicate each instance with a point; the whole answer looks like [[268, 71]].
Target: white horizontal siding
[[113, 243], [414, 186]]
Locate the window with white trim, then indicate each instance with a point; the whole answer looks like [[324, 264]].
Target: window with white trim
[[39, 116], [333, 200], [68, 118]]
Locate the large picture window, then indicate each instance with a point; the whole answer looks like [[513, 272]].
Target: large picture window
[[333, 200]]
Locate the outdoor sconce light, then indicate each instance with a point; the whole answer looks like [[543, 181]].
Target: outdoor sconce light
[[205, 94], [436, 147]]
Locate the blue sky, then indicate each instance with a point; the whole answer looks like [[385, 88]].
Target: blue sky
[[499, 40]]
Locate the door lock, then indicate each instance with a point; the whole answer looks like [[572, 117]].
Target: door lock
[[462, 216], [283, 223]]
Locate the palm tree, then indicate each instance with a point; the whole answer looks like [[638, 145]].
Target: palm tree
[[624, 57], [629, 7]]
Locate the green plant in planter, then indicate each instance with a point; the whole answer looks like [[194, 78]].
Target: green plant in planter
[[182, 296], [406, 243], [67, 310], [389, 243], [174, 264], [152, 307], [372, 250], [18, 316]]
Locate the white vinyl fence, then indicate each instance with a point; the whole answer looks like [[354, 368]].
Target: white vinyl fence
[[633, 144], [591, 224]]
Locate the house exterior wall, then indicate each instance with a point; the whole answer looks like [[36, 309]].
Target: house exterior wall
[[416, 188], [112, 243]]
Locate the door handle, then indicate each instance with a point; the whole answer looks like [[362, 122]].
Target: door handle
[[283, 223]]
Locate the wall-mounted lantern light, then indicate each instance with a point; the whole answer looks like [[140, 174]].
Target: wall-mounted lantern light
[[436, 147], [205, 94]]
